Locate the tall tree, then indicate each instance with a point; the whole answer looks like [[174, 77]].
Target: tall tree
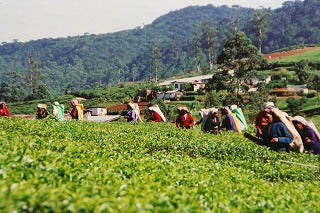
[[134, 72], [241, 57], [35, 76], [235, 21], [209, 41], [156, 54], [303, 71], [197, 51], [259, 24]]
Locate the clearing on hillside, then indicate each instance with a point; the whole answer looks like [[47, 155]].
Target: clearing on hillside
[[278, 55]]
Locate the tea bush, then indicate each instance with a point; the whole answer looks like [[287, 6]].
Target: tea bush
[[120, 167]]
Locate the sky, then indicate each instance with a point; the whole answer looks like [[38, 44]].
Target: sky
[[26, 20]]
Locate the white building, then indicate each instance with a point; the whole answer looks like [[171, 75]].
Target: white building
[[197, 82]]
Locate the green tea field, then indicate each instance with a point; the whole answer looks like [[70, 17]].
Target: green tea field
[[296, 55], [47, 166]]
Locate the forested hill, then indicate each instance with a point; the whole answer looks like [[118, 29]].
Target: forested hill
[[97, 60]]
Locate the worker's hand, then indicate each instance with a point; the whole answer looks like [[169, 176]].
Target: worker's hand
[[308, 140], [274, 140]]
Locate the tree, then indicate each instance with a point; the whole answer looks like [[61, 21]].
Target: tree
[[315, 82], [235, 21], [5, 92], [209, 41], [303, 71], [220, 81], [197, 51], [13, 89], [69, 89], [41, 92], [35, 76], [295, 105], [215, 98], [259, 25], [11, 92], [134, 72], [156, 61], [240, 57]]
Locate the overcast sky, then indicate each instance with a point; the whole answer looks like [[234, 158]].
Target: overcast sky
[[34, 19]]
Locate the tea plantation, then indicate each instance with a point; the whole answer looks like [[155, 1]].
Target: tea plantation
[[47, 166]]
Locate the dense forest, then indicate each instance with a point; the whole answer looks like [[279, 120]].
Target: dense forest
[[171, 45]]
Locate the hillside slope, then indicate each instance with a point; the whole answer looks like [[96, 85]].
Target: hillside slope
[[91, 61]]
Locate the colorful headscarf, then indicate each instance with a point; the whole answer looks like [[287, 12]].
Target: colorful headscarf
[[74, 102]]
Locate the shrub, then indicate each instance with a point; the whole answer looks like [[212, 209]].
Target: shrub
[[311, 95], [191, 93], [295, 105], [114, 112], [188, 98], [214, 98]]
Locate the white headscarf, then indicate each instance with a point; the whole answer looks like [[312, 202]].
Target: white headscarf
[[268, 106], [136, 109], [205, 113], [300, 119], [157, 109], [213, 110], [310, 124], [185, 109], [233, 107], [42, 106]]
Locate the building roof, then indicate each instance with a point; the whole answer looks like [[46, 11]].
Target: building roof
[[187, 80], [290, 88], [297, 87]]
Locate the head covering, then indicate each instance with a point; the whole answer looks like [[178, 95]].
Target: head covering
[[74, 102], [42, 106], [309, 123], [2, 102], [151, 108], [227, 109], [157, 109], [184, 109], [58, 111], [213, 110], [269, 105], [283, 117], [233, 107], [131, 105], [300, 119]]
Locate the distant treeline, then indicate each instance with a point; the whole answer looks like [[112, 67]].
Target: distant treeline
[[93, 61]]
